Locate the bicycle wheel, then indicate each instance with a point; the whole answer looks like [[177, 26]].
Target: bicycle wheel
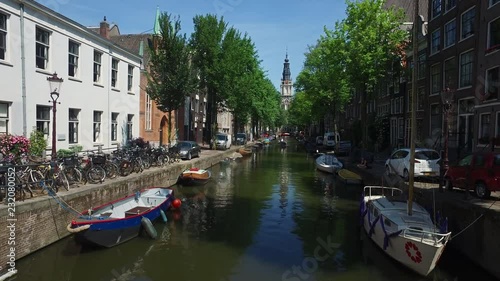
[[111, 170], [61, 180], [37, 181], [74, 175], [50, 182], [96, 174]]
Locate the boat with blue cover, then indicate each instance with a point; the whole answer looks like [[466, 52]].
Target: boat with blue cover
[[121, 220]]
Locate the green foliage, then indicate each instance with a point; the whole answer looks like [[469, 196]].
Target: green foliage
[[171, 76], [69, 152], [38, 143]]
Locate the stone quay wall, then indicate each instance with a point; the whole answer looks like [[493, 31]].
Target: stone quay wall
[[35, 223]]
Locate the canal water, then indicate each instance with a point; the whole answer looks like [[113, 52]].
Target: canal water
[[270, 216]]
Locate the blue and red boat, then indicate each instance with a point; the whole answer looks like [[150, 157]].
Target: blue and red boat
[[121, 220]]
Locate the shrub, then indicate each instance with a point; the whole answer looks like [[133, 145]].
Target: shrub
[[38, 143]]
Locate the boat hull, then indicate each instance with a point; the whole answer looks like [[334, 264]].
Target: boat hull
[[411, 252], [187, 178], [111, 232]]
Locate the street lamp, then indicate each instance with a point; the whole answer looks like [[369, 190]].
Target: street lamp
[[447, 103], [55, 87]]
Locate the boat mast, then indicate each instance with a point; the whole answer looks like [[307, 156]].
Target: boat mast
[[413, 120]]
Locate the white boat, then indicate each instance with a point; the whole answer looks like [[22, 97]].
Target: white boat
[[413, 240], [328, 163]]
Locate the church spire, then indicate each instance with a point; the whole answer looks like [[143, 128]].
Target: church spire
[[156, 27], [286, 69]]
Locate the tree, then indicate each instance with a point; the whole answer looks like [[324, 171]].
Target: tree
[[373, 37], [171, 77]]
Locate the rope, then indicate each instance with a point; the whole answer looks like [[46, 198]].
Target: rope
[[59, 201], [77, 229], [473, 222]]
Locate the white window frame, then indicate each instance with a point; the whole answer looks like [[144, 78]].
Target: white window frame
[[73, 123], [445, 37], [114, 72], [492, 3], [460, 69], [114, 126], [431, 114], [434, 91], [4, 117], [3, 33], [45, 46], [445, 82], [44, 121], [76, 56], [462, 25], [97, 125], [487, 81], [97, 70], [480, 131], [488, 42], [130, 78], [435, 47], [148, 112]]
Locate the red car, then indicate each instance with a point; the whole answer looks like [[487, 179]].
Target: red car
[[480, 171]]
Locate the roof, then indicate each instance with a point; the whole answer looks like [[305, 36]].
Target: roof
[[409, 8], [132, 42], [39, 7]]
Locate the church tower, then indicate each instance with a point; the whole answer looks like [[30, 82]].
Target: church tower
[[286, 85]]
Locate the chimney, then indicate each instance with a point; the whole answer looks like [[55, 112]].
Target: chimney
[[104, 29]]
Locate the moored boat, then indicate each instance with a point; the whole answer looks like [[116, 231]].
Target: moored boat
[[119, 221], [349, 177], [328, 163], [245, 151], [194, 176], [413, 240]]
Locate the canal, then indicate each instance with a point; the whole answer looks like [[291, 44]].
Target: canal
[[270, 216]]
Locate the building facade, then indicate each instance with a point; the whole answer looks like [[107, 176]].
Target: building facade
[[99, 98]]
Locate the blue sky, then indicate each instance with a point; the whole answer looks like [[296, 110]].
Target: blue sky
[[274, 25]]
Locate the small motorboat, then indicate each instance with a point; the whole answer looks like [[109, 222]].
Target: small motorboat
[[349, 177], [283, 144], [245, 151], [194, 176], [119, 221], [328, 163]]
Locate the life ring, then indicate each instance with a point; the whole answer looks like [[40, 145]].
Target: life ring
[[413, 252]]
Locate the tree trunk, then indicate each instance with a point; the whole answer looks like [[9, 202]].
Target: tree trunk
[[364, 134], [169, 127]]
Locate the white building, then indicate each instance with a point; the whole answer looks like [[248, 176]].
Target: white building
[[99, 98]]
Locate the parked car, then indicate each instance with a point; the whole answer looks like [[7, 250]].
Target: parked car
[[188, 149], [330, 139], [223, 141], [241, 139], [426, 163], [343, 148], [480, 171]]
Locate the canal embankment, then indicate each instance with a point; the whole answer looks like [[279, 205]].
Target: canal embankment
[[474, 223], [32, 224]]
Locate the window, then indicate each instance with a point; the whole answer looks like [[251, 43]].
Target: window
[[114, 126], [73, 125], [43, 119], [148, 112], [493, 34], [42, 48], [130, 81], [421, 66], [401, 128], [450, 33], [466, 61], [466, 161], [114, 72], [493, 2], [450, 73], [130, 120], [73, 52], [449, 4], [492, 83], [4, 118], [435, 41], [3, 36], [436, 120], [97, 126], [97, 66], [435, 79], [468, 23], [484, 128], [436, 8], [420, 98]]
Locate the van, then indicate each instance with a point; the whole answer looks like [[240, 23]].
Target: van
[[330, 139], [223, 141], [241, 138]]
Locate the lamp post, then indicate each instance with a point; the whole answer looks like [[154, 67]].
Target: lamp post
[[447, 103], [55, 87]]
